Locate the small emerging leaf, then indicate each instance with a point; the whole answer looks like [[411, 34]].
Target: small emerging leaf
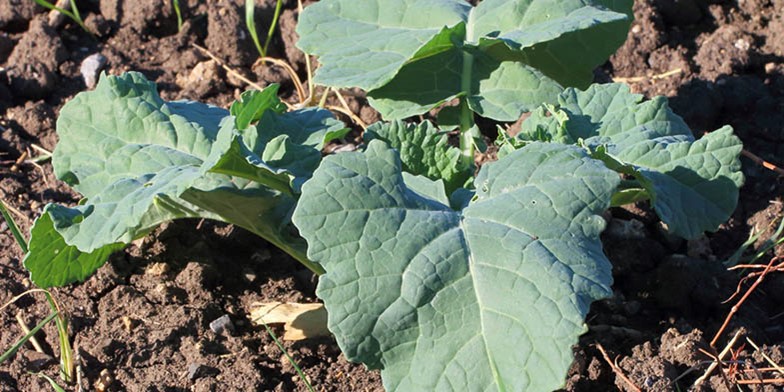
[[424, 150], [253, 103]]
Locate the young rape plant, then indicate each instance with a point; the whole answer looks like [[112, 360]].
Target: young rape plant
[[443, 279]]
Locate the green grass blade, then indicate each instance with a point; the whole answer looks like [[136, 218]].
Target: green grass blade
[[250, 22], [274, 23], [75, 16], [54, 385], [176, 5], [288, 357], [25, 338], [13, 227]]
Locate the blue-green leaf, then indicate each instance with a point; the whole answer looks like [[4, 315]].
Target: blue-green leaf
[[141, 161], [507, 55], [424, 150], [693, 185], [434, 296]]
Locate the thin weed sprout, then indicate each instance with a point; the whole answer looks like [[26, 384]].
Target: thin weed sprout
[[286, 353], [250, 22], [176, 5], [73, 14], [304, 99], [66, 353]]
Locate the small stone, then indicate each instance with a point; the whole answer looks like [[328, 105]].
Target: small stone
[[104, 381], [128, 323], [222, 324], [157, 269], [249, 275], [91, 68], [194, 371]]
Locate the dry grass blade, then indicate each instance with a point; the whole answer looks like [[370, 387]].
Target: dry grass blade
[[717, 359], [637, 79], [773, 364], [26, 330]]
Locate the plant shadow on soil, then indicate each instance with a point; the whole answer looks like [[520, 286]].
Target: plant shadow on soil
[[144, 317]]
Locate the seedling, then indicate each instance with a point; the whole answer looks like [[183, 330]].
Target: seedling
[[73, 14], [250, 22], [176, 5], [291, 360], [435, 275], [66, 357]]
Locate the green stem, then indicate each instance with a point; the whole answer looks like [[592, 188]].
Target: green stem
[[25, 338], [466, 115], [273, 25], [66, 353]]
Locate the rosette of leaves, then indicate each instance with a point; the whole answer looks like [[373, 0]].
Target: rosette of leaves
[[487, 289], [140, 161], [502, 57]]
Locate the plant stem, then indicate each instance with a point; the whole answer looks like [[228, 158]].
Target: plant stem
[[466, 115], [176, 4], [273, 25], [25, 338], [66, 354]]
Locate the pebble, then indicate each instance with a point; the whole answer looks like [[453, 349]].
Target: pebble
[[194, 371], [222, 324], [91, 68]]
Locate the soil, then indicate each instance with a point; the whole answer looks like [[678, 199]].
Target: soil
[[142, 323]]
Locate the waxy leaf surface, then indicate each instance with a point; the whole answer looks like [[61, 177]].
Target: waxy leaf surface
[[424, 150], [141, 161], [693, 184], [491, 297], [506, 56]]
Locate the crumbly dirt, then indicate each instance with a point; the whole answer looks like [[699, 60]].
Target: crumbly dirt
[[142, 322]]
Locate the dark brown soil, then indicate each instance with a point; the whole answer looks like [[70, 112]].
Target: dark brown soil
[[142, 322]]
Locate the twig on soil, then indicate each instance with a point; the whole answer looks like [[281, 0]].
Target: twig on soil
[[26, 330], [760, 278], [718, 359], [616, 369], [19, 161], [637, 79], [763, 381], [762, 162]]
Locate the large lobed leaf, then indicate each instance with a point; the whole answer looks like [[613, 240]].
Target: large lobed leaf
[[490, 297], [693, 184], [141, 161], [505, 56]]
